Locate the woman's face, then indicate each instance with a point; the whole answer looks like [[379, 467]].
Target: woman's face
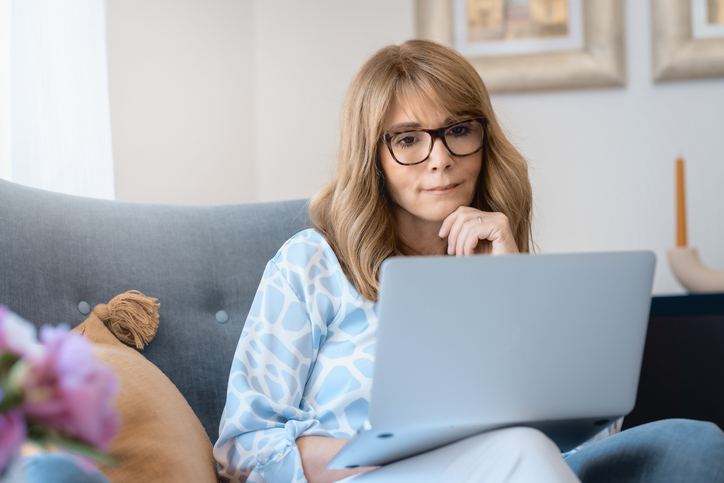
[[430, 191]]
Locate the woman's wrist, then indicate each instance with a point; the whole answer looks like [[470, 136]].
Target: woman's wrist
[[316, 452]]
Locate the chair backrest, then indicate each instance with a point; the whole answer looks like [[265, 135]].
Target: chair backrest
[[57, 251]]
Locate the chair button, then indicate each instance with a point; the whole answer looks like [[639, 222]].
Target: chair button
[[222, 317], [84, 308]]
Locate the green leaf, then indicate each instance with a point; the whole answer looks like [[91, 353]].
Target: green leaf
[[13, 374], [7, 359], [12, 394], [75, 447], [18, 373], [37, 431]]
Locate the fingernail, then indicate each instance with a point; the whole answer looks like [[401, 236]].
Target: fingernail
[[440, 232], [449, 249]]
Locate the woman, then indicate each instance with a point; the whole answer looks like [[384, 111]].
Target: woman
[[423, 169]]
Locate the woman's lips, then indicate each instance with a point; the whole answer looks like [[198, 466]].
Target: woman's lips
[[442, 190]]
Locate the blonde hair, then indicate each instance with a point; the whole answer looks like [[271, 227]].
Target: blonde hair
[[353, 210]]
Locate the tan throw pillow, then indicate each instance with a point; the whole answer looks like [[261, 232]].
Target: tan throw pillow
[[160, 438]]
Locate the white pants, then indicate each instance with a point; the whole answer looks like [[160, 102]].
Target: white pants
[[511, 455]]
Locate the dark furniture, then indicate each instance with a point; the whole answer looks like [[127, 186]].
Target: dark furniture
[[682, 375]]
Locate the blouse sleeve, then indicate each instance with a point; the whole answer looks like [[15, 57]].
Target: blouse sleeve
[[262, 418]]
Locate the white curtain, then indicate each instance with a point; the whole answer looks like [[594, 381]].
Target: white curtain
[[5, 166], [55, 128]]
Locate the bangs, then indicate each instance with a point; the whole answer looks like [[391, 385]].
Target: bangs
[[419, 89]]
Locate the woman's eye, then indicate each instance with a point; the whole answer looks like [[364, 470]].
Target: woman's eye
[[406, 141], [458, 131]]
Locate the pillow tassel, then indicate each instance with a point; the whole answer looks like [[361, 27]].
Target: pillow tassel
[[131, 316]]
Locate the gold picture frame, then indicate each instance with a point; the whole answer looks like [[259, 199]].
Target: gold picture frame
[[676, 54], [600, 63]]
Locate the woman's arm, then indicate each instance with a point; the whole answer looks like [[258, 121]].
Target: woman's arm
[[262, 417], [270, 402], [316, 452]]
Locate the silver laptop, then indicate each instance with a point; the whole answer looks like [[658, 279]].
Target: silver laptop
[[465, 345]]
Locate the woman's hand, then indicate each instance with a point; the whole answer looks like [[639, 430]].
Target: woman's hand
[[316, 452], [474, 232]]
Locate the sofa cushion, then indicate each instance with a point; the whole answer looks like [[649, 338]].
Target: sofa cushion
[[160, 439]]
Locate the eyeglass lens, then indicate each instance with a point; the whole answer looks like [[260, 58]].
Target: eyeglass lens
[[462, 139]]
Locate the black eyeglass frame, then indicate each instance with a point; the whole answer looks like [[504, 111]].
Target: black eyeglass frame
[[434, 134]]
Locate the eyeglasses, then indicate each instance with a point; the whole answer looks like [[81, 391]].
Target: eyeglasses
[[414, 146]]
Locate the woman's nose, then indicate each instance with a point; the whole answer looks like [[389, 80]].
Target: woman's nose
[[440, 157]]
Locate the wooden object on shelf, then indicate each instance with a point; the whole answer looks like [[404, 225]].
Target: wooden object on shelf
[[684, 261], [680, 205]]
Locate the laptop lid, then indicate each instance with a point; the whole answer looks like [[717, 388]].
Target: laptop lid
[[468, 344]]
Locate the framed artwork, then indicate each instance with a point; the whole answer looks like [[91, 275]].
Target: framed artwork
[[530, 45], [687, 39]]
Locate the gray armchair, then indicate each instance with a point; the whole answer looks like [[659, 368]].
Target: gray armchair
[[61, 255]]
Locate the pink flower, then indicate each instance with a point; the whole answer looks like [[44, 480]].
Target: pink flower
[[13, 432], [69, 390], [17, 335]]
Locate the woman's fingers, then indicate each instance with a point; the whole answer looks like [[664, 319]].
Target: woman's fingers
[[471, 242], [470, 231], [453, 224], [458, 225], [476, 233], [447, 224], [468, 235], [460, 238]]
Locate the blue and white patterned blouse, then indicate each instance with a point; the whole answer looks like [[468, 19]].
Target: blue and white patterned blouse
[[303, 365]]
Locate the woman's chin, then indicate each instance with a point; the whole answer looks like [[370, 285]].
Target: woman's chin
[[444, 209], [435, 212]]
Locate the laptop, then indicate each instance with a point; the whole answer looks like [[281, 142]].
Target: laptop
[[466, 345]]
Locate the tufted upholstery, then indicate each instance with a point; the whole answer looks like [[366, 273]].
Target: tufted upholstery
[[61, 255]]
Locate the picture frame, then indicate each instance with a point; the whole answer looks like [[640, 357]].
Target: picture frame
[[681, 48], [601, 62]]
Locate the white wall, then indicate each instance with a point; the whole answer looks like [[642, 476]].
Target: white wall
[[265, 80], [181, 88], [306, 57], [603, 161], [223, 101]]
